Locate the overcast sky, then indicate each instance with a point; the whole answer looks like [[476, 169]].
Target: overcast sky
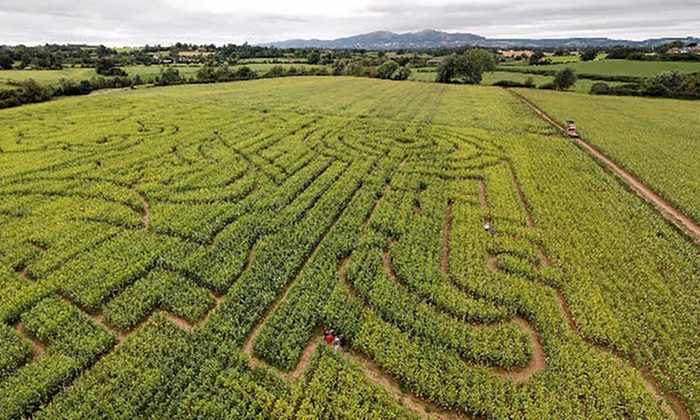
[[140, 22]]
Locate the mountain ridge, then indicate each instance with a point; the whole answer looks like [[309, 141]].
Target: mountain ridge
[[430, 38]]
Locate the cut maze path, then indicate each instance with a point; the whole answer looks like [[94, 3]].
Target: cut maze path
[[146, 215], [383, 379], [37, 348], [686, 224]]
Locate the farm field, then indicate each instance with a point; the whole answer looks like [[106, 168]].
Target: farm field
[[621, 67], [655, 139], [147, 73], [178, 251], [581, 85]]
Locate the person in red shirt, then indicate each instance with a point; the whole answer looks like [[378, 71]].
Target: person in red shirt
[[329, 335]]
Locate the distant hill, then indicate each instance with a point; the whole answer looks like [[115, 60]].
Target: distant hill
[[384, 40]]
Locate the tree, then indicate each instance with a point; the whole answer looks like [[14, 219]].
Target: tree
[[447, 69], [314, 57], [589, 54], [6, 60], [169, 76], [536, 57], [387, 69], [206, 74], [472, 64], [564, 78]]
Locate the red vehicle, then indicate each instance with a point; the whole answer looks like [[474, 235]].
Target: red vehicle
[[571, 130]]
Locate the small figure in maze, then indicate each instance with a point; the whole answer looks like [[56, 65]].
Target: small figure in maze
[[337, 341], [489, 229], [329, 335]]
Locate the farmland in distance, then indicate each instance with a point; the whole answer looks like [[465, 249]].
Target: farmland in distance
[[178, 251]]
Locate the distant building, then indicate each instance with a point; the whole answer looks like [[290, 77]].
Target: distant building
[[679, 51], [513, 53], [434, 61]]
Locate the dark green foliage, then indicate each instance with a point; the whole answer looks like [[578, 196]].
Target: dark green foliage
[[564, 78], [589, 54]]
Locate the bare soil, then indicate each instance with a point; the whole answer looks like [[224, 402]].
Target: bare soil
[[407, 399], [538, 360], [99, 320], [371, 213], [179, 322], [251, 256], [37, 348], [146, 215], [306, 355], [492, 262], [482, 195]]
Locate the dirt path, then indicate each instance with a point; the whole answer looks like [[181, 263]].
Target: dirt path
[[492, 262], [99, 320], [37, 348], [377, 375], [105, 92], [686, 224], [251, 256], [248, 344], [371, 213], [25, 275], [444, 264], [146, 214], [537, 362], [183, 324]]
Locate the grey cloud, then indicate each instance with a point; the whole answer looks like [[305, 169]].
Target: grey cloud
[[137, 22]]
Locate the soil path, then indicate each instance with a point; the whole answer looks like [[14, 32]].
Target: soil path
[[146, 214], [382, 379], [446, 239], [248, 344], [371, 213], [686, 224], [106, 92], [25, 275], [183, 324], [537, 362], [37, 348], [99, 320], [409, 400]]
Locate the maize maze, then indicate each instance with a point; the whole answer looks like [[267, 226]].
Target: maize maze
[[178, 251]]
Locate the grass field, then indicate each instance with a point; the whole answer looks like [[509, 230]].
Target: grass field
[[147, 73], [581, 85], [178, 251], [623, 67]]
